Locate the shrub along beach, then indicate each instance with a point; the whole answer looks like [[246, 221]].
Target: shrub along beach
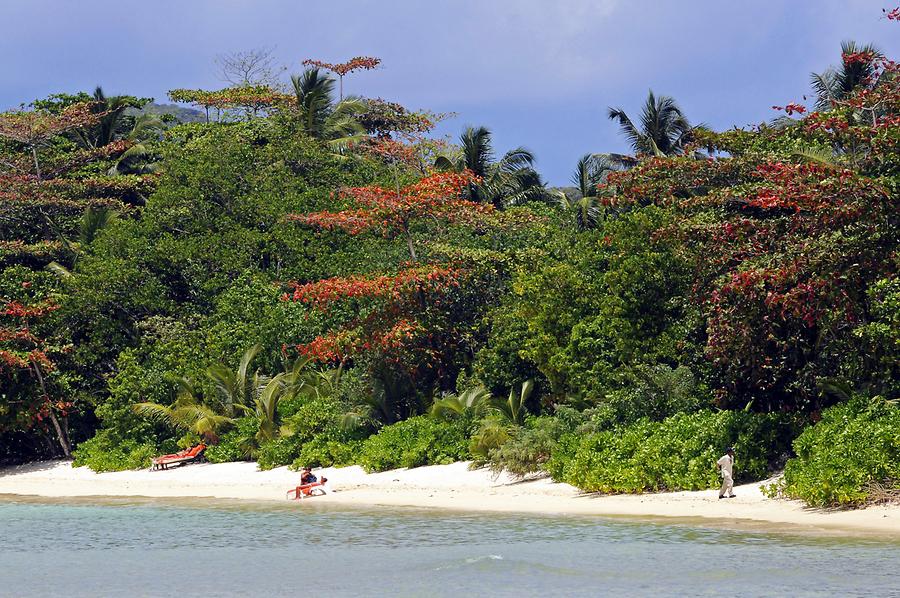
[[293, 276]]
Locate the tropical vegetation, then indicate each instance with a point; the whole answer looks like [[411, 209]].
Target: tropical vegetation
[[303, 280]]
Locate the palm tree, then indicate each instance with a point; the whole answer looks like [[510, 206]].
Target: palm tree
[[838, 84], [235, 390], [663, 131], [473, 401], [113, 123], [137, 159], [513, 409], [187, 413], [236, 393], [265, 404], [590, 172], [319, 116], [509, 181]]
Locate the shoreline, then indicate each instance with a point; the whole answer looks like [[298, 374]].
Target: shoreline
[[446, 487]]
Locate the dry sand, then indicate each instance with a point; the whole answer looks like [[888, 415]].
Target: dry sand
[[441, 486]]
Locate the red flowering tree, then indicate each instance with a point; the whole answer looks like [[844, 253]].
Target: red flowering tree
[[394, 211], [412, 326], [36, 128], [784, 245], [357, 63], [24, 370], [410, 330]]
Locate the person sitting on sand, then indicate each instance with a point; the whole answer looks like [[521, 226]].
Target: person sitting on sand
[[725, 465], [307, 477]]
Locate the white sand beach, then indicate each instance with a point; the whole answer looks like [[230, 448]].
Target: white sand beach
[[442, 486]]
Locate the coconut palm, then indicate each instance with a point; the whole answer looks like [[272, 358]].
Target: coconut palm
[[265, 404], [116, 123], [838, 84], [590, 172], [187, 413], [319, 116], [235, 390], [513, 409], [137, 159], [473, 401], [663, 129], [113, 123], [586, 211], [508, 181]]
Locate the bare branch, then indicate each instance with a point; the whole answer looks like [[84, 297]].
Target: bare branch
[[258, 66]]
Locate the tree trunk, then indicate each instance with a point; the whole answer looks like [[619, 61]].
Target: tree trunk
[[409, 244], [63, 442], [37, 167]]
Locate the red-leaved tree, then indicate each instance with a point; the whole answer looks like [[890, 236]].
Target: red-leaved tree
[[394, 211], [35, 128], [358, 63], [24, 367], [411, 326]]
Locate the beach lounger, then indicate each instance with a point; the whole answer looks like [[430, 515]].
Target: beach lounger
[[191, 455], [307, 490]]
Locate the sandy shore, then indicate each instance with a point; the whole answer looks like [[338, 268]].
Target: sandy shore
[[443, 486]]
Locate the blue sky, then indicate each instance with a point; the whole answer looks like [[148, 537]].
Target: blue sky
[[539, 73]]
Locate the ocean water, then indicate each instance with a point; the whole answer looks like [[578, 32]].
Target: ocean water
[[149, 548]]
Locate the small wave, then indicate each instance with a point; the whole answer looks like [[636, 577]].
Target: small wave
[[490, 557], [470, 561]]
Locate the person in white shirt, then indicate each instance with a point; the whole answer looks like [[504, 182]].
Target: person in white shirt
[[725, 464]]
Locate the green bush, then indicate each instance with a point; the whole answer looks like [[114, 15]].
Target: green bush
[[654, 392], [327, 450], [678, 453], [234, 446], [307, 417], [855, 445], [105, 452], [417, 441]]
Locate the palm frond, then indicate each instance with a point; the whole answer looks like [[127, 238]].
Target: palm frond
[[824, 85], [93, 221], [445, 164], [513, 408], [516, 159], [819, 155], [153, 411], [246, 358], [472, 401], [477, 151], [638, 143]]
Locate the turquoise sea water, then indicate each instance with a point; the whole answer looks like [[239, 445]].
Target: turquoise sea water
[[148, 548]]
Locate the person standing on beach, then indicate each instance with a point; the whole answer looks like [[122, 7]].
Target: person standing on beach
[[725, 465]]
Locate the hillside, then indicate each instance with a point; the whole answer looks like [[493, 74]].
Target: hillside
[[306, 280]]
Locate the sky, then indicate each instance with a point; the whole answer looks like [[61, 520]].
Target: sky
[[538, 73]]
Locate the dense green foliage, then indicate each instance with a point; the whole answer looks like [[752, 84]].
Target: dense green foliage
[[414, 442], [678, 453], [306, 281], [849, 458]]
